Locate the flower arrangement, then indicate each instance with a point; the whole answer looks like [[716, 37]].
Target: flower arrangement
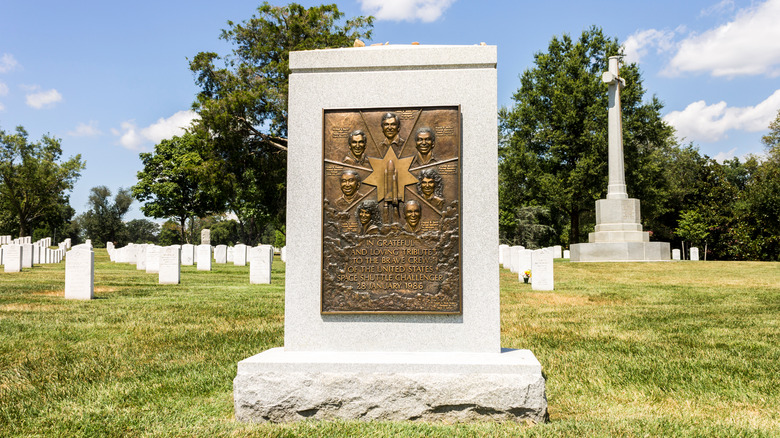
[[526, 276]]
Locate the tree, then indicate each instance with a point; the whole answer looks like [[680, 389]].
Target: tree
[[553, 144], [102, 222], [772, 139], [243, 105], [142, 231], [33, 181], [178, 182]]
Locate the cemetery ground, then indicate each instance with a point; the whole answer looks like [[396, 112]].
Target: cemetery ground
[[628, 349]]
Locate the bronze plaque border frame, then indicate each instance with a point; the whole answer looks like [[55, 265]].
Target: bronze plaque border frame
[[460, 213]]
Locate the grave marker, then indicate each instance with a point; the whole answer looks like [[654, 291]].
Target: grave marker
[[170, 265], [260, 261], [204, 257], [80, 273], [542, 269]]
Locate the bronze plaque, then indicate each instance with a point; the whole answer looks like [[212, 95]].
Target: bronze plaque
[[391, 215]]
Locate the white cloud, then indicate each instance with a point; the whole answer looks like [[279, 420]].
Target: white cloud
[[636, 46], [7, 63], [85, 130], [702, 122], [3, 89], [723, 156], [43, 98], [133, 138], [406, 10], [718, 8], [748, 45]]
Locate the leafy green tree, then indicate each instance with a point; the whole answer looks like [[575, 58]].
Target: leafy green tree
[[243, 103], [33, 181], [169, 234], [178, 182], [756, 234], [553, 144], [142, 231], [693, 227], [102, 222], [772, 139]]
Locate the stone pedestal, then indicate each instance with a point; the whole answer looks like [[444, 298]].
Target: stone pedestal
[[283, 386], [392, 366], [619, 236]]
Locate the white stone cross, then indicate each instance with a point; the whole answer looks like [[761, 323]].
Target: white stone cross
[[617, 177]]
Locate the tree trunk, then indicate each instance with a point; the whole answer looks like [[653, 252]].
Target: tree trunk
[[574, 231], [182, 224]]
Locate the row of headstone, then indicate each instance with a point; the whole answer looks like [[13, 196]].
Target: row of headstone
[[535, 266], [159, 260], [21, 253]]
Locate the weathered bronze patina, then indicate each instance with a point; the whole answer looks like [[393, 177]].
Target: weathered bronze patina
[[391, 215]]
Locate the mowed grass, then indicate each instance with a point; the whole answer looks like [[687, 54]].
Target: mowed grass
[[658, 349]]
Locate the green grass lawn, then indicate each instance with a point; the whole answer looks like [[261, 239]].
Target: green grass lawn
[[652, 349]]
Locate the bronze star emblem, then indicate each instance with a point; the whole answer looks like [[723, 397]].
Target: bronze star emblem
[[390, 175]]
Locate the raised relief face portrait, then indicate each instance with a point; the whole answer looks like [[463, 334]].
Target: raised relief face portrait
[[412, 214], [391, 128], [425, 141], [350, 183], [368, 217], [357, 146], [430, 187]]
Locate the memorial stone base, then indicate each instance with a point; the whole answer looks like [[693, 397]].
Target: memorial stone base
[[618, 236], [620, 252], [280, 386]]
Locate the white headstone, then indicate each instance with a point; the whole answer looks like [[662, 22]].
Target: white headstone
[[514, 257], [675, 254], [260, 261], [524, 263], [283, 254], [12, 258], [204, 257], [152, 259], [566, 254], [205, 237], [230, 252], [188, 254], [557, 252], [27, 255], [239, 255], [694, 253], [170, 265], [542, 269], [507, 257], [140, 257], [501, 253], [80, 273], [36, 254], [220, 254], [131, 256]]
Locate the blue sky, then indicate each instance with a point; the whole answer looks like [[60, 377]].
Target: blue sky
[[111, 79]]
